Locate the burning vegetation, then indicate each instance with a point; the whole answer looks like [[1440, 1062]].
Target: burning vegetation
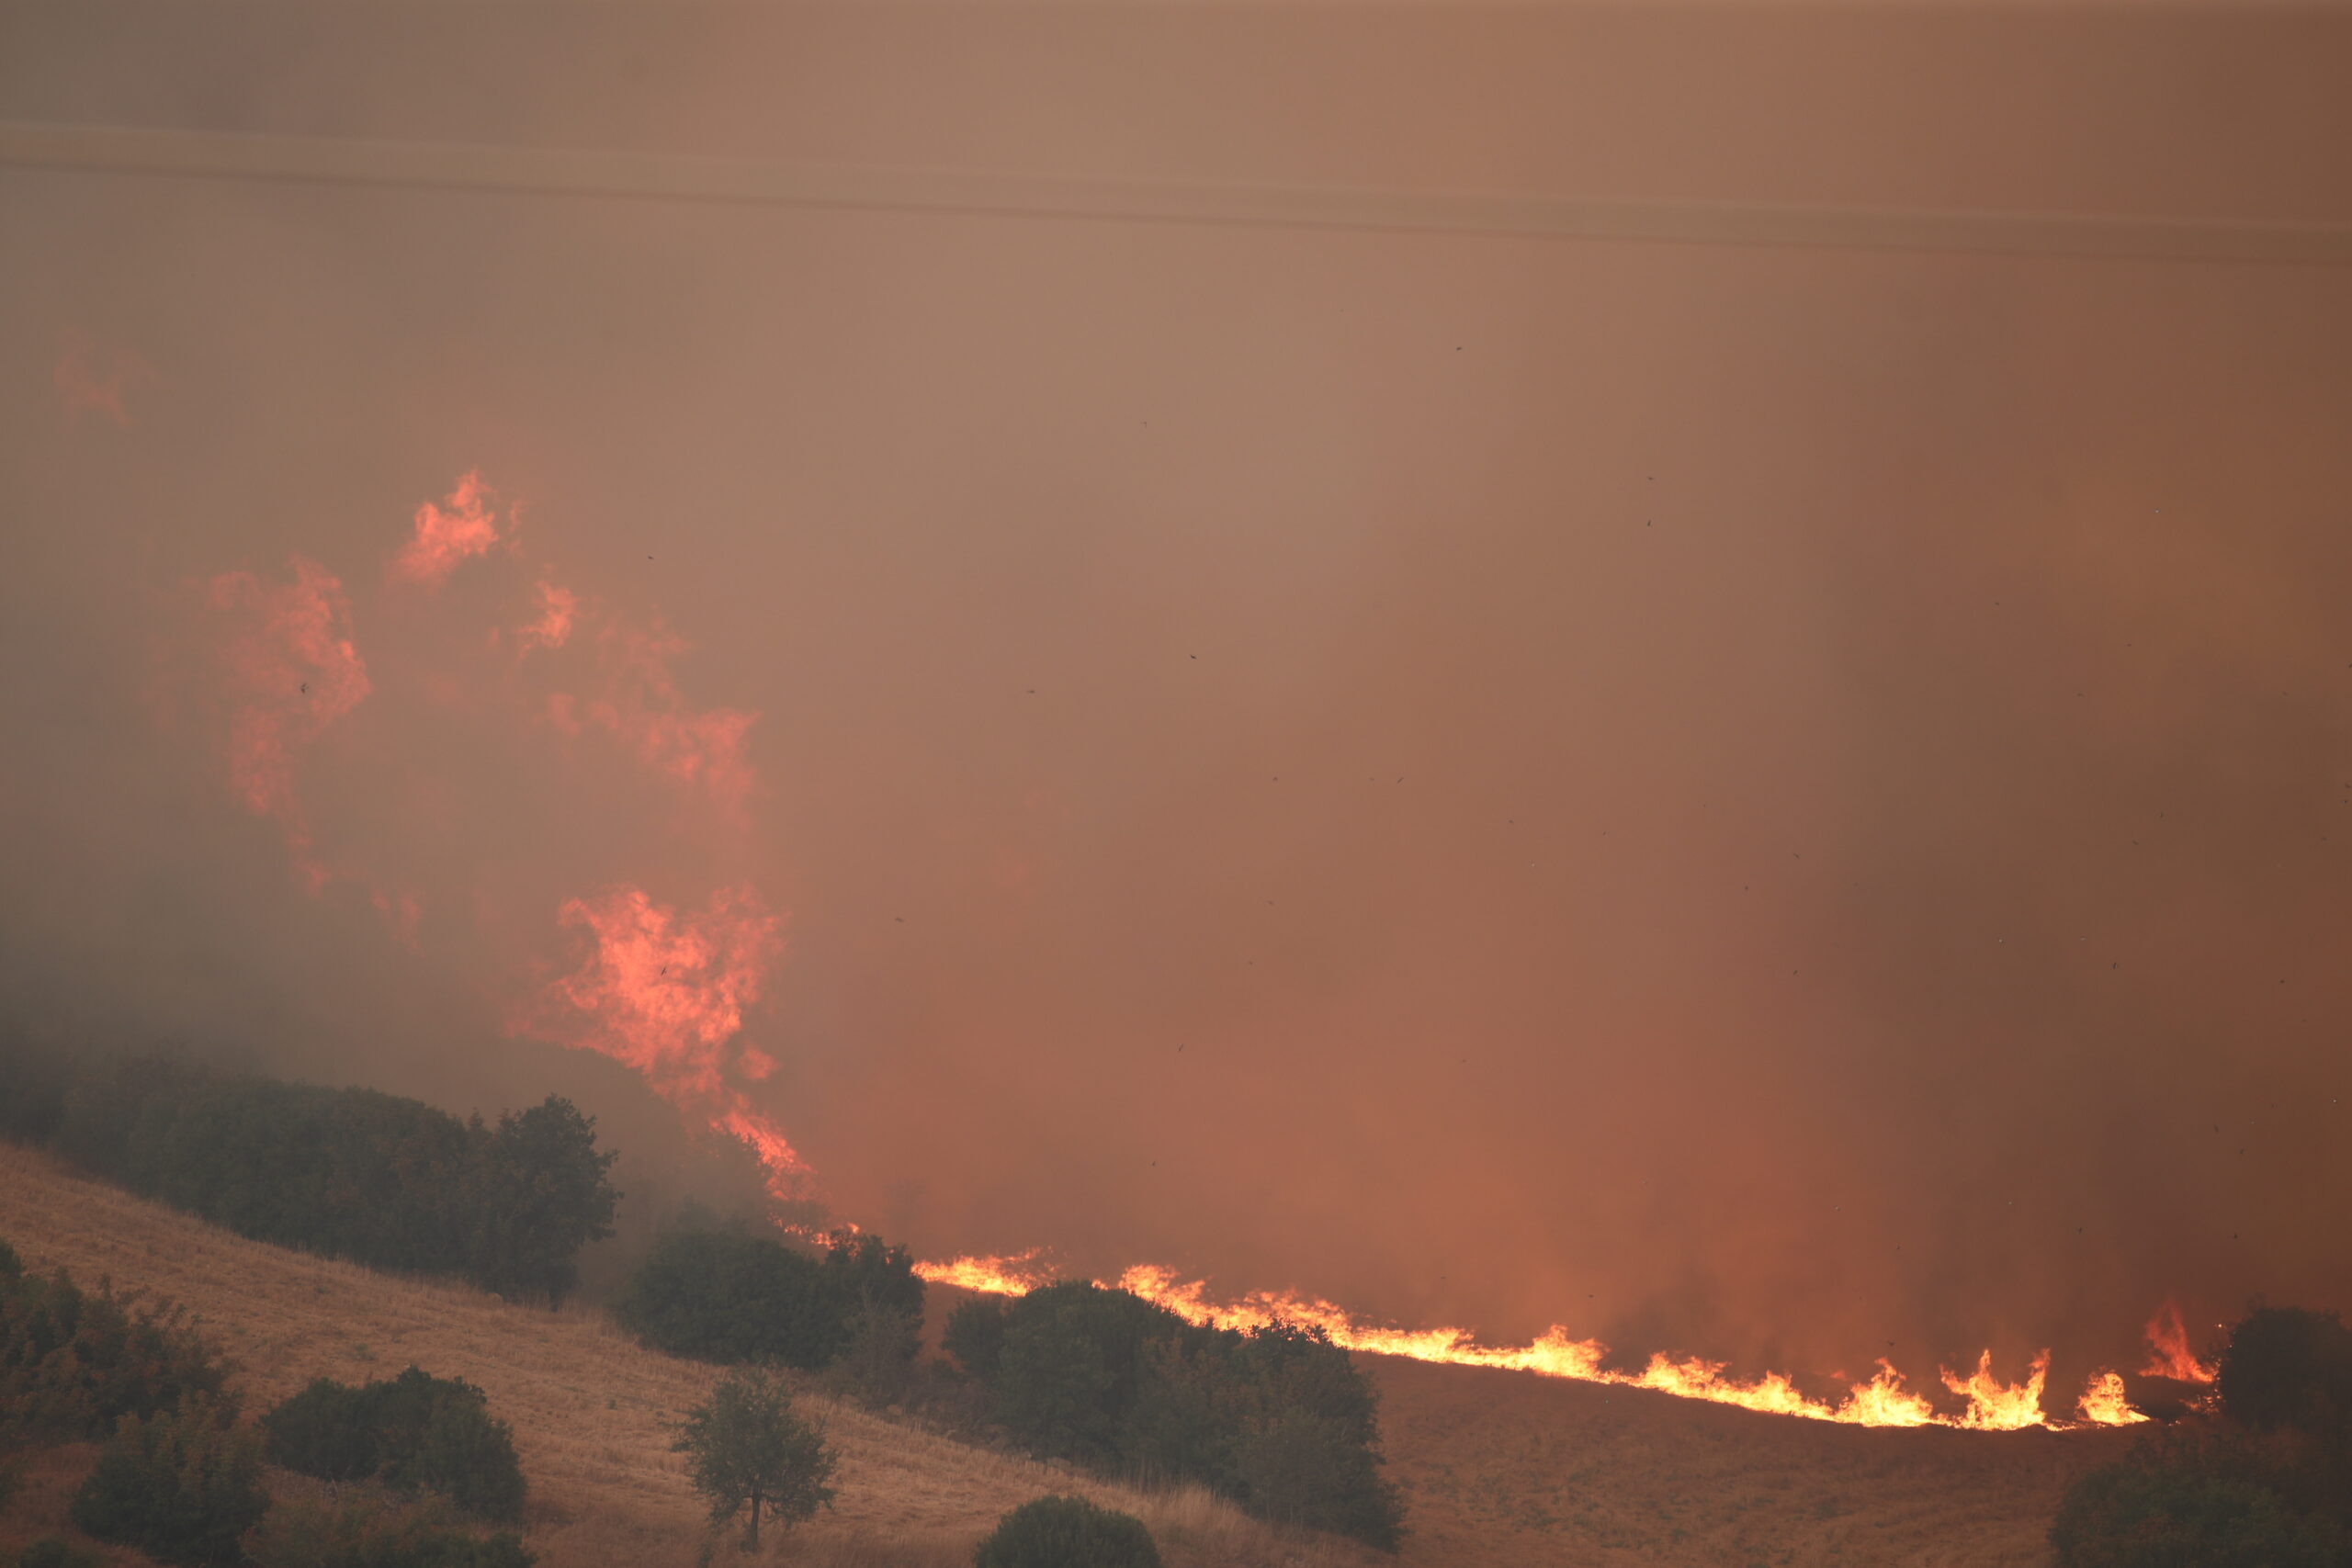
[[666, 990]]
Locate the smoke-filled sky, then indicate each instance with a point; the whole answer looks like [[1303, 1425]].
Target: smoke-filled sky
[[1750, 802]]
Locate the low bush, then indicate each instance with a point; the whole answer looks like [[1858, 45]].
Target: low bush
[[55, 1551], [414, 1432], [377, 1532], [183, 1487], [73, 1363], [1278, 1419], [2184, 1514], [1067, 1532]]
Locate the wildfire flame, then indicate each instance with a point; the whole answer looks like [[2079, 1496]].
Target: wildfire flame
[[665, 991], [2104, 1404], [1993, 1405], [448, 532], [2168, 1352], [291, 670]]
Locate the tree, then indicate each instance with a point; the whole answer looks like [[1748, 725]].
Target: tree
[[747, 1448], [183, 1487], [544, 1191]]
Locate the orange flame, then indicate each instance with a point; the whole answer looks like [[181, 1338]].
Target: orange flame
[[1880, 1402], [292, 671], [642, 706], [557, 607], [445, 537], [665, 993], [2168, 1352], [2103, 1403], [1997, 1406]]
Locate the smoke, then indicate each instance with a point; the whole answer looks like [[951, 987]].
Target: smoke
[[1782, 806]]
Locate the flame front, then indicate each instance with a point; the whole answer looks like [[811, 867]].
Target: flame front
[[1884, 1401]]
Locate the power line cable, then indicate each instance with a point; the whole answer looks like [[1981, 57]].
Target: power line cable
[[658, 176]]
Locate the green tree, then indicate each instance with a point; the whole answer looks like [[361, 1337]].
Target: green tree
[[2289, 1366], [725, 1297], [1067, 1532], [414, 1432], [183, 1487], [747, 1449], [542, 1191]]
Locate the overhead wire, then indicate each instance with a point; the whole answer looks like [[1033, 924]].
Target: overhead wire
[[557, 172]]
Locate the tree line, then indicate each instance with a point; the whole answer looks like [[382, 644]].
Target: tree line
[[387, 1182]]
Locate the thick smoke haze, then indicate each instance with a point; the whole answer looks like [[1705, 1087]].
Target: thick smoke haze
[[1789, 805]]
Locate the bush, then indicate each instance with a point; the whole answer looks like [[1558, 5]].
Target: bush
[[724, 1296], [975, 1335], [2136, 1515], [184, 1487], [1072, 1365], [414, 1432], [1067, 1532], [55, 1551], [1277, 1419], [2289, 1366], [375, 1532], [73, 1363]]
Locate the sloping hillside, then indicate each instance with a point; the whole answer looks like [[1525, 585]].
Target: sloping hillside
[[588, 1407], [1500, 1469], [1508, 1470]]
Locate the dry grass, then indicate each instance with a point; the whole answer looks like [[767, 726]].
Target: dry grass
[[1502, 1470], [1512, 1472]]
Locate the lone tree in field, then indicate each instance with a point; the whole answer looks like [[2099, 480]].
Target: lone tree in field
[[747, 1448]]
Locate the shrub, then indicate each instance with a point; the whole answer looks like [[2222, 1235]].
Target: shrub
[[975, 1335], [328, 1430], [55, 1551], [877, 1361], [2181, 1516], [183, 1487], [377, 1532], [11, 1265], [414, 1432], [1073, 1364], [1067, 1532], [1277, 1419], [2289, 1366], [73, 1361], [724, 1296]]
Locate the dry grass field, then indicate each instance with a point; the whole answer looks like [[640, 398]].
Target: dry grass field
[[1499, 1468]]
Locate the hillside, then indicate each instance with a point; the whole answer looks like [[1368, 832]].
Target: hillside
[[1499, 1468]]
